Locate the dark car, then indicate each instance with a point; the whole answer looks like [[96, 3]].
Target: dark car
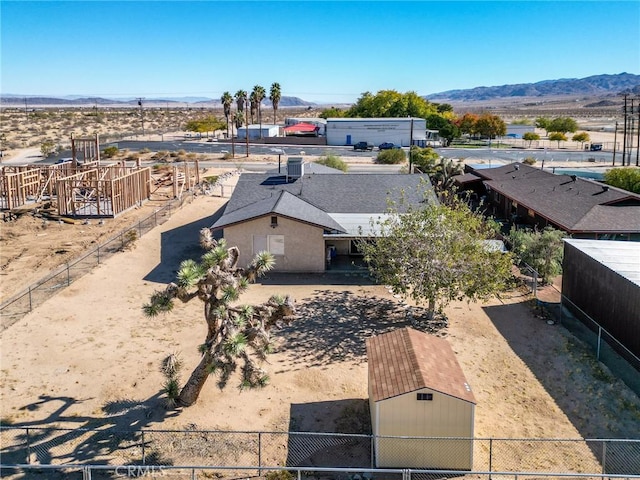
[[387, 146], [363, 146]]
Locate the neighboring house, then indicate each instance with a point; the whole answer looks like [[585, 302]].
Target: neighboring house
[[254, 131], [581, 207], [601, 279], [403, 131], [417, 389], [310, 219], [302, 129], [321, 123]]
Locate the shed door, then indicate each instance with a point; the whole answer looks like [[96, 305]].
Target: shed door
[[348, 139]]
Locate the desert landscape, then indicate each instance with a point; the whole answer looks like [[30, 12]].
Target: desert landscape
[[89, 358]]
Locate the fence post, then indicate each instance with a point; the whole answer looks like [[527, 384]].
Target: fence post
[[28, 447], [68, 275], [604, 457], [259, 453], [155, 217], [30, 300], [140, 229], [121, 241], [144, 457], [490, 455], [599, 342], [373, 445]]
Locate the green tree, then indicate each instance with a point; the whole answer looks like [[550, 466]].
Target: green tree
[[259, 93], [627, 178], [332, 112], [235, 334], [47, 148], [391, 157], [205, 124], [491, 126], [543, 123], [446, 128], [563, 125], [390, 103], [424, 159], [275, 96], [110, 152], [436, 253], [227, 101], [333, 161], [557, 137], [467, 124], [530, 137], [543, 250], [581, 137]]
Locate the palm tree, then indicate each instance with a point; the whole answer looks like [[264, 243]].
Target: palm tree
[[227, 100], [253, 105], [235, 334], [241, 97], [274, 96], [259, 93], [238, 119]]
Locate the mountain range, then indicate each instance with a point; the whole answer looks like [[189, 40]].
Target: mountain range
[[596, 86]]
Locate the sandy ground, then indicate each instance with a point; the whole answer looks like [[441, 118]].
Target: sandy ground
[[89, 358]]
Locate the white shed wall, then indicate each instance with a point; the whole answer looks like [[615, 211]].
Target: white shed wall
[[375, 130]]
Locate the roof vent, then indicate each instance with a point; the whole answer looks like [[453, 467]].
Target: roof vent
[[295, 168], [516, 166], [605, 188], [574, 177]]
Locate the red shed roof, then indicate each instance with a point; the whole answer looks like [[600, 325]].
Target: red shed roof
[[406, 360], [301, 127]]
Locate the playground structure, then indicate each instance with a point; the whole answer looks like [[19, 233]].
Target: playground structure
[[86, 187]]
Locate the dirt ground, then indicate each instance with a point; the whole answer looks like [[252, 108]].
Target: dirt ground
[[89, 358]]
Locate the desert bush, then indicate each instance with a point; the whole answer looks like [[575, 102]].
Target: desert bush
[[333, 161], [227, 156], [110, 152], [279, 475], [391, 157], [529, 161]]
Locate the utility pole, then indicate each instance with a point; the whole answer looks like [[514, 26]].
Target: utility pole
[[26, 111], [246, 109], [410, 147], [638, 139], [615, 144], [141, 113]]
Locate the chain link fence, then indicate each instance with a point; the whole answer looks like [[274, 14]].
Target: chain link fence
[[18, 306], [262, 450]]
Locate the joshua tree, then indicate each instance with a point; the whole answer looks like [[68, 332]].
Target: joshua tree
[[227, 100], [235, 334], [274, 96], [259, 93]]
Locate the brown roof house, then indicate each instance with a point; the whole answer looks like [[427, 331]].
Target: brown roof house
[[417, 389]]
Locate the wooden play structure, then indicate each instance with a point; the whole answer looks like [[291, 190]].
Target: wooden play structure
[[86, 187]]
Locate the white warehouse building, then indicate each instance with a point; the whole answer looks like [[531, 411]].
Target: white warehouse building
[[401, 131]]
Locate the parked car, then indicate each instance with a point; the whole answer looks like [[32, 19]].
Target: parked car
[[387, 146], [363, 146]]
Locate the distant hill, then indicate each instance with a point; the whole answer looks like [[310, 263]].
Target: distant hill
[[35, 101], [597, 85]]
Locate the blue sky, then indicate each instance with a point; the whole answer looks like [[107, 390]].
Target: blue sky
[[327, 52]]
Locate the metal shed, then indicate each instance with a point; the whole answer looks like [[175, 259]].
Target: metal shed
[[417, 389], [401, 131], [254, 131]]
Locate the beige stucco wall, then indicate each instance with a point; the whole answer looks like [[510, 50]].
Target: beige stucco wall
[[444, 416], [304, 249]]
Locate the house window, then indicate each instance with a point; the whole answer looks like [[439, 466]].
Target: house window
[[268, 243], [531, 213], [425, 396], [274, 222]]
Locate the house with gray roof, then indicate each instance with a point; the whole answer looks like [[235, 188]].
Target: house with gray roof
[[581, 207], [309, 220]]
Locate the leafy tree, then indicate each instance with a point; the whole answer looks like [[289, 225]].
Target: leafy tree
[[275, 95], [563, 125], [581, 137], [204, 124], [543, 123], [235, 334], [332, 112], [241, 98], [391, 157], [446, 128], [444, 107], [390, 103], [467, 123], [333, 161], [627, 178], [543, 250], [425, 159], [530, 137], [491, 126], [47, 148], [227, 101], [110, 152], [259, 93], [557, 137], [436, 253]]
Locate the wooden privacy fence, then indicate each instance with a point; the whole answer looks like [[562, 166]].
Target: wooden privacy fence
[[103, 192]]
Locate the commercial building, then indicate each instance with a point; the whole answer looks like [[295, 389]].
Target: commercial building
[[404, 131]]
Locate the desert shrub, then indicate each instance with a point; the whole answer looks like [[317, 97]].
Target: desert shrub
[[333, 161], [145, 150], [227, 156], [391, 157], [279, 475], [529, 161], [110, 152]]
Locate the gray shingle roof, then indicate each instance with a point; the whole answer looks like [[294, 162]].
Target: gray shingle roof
[[567, 201], [312, 197]]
